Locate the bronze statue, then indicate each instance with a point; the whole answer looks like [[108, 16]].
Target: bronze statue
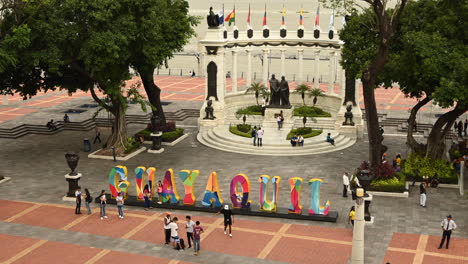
[[275, 91], [212, 19], [209, 110], [348, 116], [284, 92]]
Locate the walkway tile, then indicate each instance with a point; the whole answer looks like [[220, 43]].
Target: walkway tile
[[48, 216], [116, 257], [11, 208], [398, 257], [293, 250], [12, 245], [408, 241], [441, 260], [113, 226], [53, 252], [263, 226], [457, 247], [152, 233], [340, 234], [241, 244]]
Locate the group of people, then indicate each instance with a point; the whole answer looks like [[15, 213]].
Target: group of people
[[257, 135], [86, 196], [461, 128], [193, 231], [297, 140], [147, 195]]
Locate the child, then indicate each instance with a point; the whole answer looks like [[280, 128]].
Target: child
[[103, 200], [197, 230], [120, 203], [78, 200], [189, 225], [160, 192], [174, 234], [352, 216]]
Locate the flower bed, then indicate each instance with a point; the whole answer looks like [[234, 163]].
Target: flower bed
[[305, 132], [394, 184], [310, 111]]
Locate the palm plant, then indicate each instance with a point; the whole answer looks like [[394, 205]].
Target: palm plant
[[316, 93], [303, 89], [257, 88]]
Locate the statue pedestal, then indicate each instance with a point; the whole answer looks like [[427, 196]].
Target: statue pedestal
[[156, 148], [270, 119], [367, 216], [72, 186], [355, 131]]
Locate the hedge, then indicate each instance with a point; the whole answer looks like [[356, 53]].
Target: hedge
[[305, 132], [250, 110], [310, 111], [428, 167], [235, 131], [395, 184], [166, 136]]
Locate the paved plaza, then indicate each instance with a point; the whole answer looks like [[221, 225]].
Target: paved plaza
[[36, 226]]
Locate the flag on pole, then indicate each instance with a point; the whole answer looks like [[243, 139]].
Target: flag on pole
[[265, 17], [231, 18], [332, 20], [283, 14], [248, 17], [221, 16], [317, 16], [301, 16]]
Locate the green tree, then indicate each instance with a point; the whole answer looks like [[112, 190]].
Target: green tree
[[385, 22], [161, 28], [256, 88], [316, 92], [303, 89]]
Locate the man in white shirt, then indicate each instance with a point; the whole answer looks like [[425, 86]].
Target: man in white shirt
[[447, 226], [260, 133], [345, 184], [263, 105], [167, 228], [174, 234]]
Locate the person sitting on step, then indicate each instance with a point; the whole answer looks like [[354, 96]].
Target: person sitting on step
[[330, 139], [294, 140], [300, 141]]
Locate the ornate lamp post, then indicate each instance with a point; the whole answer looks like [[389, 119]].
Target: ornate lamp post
[[357, 256], [73, 177]]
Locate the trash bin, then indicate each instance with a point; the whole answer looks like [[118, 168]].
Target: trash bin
[[87, 145]]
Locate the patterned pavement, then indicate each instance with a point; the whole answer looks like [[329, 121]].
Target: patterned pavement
[[179, 89]]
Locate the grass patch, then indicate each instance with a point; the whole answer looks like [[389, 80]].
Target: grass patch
[[236, 131], [250, 110], [166, 136], [394, 184], [310, 111], [306, 132]]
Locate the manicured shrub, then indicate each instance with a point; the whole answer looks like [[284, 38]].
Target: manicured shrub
[[244, 128], [131, 145], [305, 132], [393, 184], [250, 110], [234, 130], [310, 111], [424, 166], [172, 135]]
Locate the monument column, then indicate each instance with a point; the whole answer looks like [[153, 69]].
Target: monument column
[[300, 78], [265, 67], [316, 75], [283, 61], [249, 68], [234, 71], [331, 79]]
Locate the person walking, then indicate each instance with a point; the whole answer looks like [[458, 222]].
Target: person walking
[[197, 230], [422, 194], [189, 226], [448, 225], [351, 216], [167, 227], [97, 135], [103, 204], [260, 133], [228, 219], [254, 135], [78, 200], [120, 204], [175, 235], [345, 184], [88, 200]]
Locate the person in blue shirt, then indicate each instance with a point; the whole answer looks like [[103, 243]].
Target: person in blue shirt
[[330, 139]]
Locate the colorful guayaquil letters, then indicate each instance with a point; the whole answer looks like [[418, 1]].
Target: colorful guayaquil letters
[[314, 207], [140, 181], [296, 185], [188, 178], [240, 199], [265, 204], [212, 195], [118, 181], [169, 192]]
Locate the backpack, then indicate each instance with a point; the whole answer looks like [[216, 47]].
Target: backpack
[[182, 244]]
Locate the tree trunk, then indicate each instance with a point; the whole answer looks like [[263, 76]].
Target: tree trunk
[[153, 92], [436, 139], [373, 131], [412, 143], [119, 128]]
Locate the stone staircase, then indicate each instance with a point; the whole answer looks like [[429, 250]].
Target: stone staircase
[[274, 142], [90, 124]]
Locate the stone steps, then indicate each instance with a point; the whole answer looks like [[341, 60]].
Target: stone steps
[[218, 138]]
